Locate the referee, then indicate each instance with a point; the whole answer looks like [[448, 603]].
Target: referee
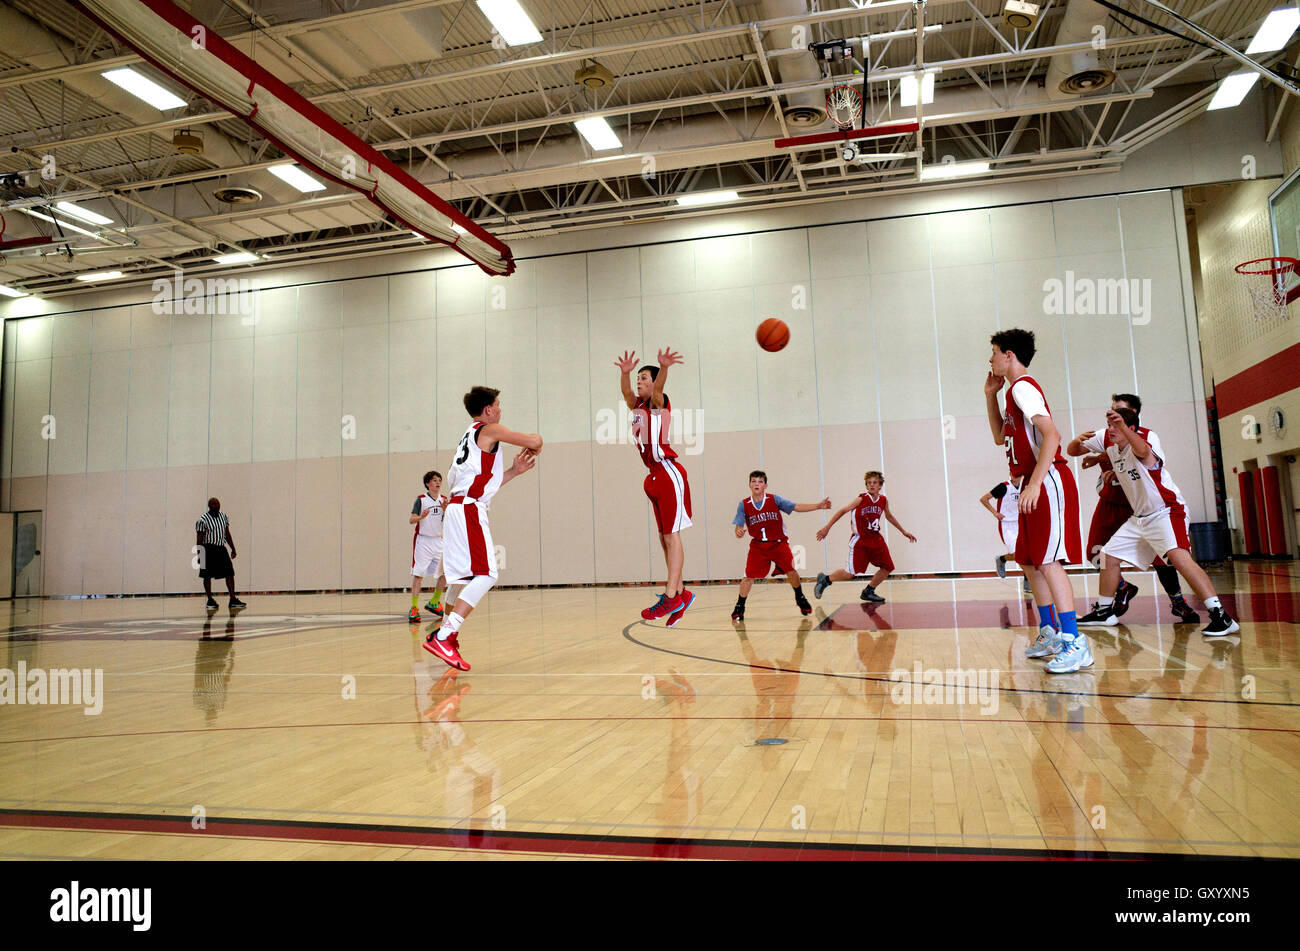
[[213, 529]]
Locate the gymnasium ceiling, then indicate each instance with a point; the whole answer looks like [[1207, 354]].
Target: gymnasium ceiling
[[697, 90]]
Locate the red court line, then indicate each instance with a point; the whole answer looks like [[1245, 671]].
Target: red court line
[[971, 720], [478, 840]]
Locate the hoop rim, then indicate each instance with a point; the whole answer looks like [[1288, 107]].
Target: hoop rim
[[856, 105], [1287, 264]]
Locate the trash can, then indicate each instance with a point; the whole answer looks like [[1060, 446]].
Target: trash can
[[1210, 541]]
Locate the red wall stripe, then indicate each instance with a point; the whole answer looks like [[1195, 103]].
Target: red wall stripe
[[1265, 380]]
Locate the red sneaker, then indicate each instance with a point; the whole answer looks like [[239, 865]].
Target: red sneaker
[[679, 606], [447, 651], [659, 608]]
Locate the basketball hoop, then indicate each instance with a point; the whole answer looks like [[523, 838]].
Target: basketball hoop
[[843, 106], [1270, 301]]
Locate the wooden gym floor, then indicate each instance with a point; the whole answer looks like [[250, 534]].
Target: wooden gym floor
[[316, 727]]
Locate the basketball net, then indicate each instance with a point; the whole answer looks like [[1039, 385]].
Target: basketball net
[[1269, 300], [844, 106]]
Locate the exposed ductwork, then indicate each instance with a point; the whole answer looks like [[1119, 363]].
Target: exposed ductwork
[[1071, 75], [803, 110]]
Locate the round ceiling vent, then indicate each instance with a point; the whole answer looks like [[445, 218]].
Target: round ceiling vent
[[1086, 81], [804, 117], [237, 194], [594, 76]]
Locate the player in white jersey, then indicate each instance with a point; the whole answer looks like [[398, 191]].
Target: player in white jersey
[[426, 545], [1158, 525], [1007, 512], [474, 478]]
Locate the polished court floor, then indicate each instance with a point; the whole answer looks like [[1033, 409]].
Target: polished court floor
[[316, 727]]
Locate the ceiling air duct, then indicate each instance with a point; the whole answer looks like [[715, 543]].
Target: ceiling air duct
[[168, 37], [1078, 74]]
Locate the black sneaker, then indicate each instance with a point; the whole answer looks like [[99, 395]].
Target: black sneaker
[[1220, 624], [1127, 591], [1099, 616], [1001, 565], [870, 595], [236, 604], [1184, 612], [212, 604], [804, 607], [737, 613], [822, 584]]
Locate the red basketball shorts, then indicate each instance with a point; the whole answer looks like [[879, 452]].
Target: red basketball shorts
[[770, 553], [1107, 519], [869, 552], [1051, 531], [669, 493]]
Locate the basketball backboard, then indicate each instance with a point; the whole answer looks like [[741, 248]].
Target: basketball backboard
[[1284, 217]]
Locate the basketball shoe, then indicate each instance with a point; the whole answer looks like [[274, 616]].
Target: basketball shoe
[[1001, 564], [1102, 616], [1047, 643], [1220, 624], [1127, 591], [738, 612], [1073, 655], [679, 606], [869, 594], [447, 650], [413, 615], [658, 609], [1185, 613], [822, 584], [804, 607], [434, 609]]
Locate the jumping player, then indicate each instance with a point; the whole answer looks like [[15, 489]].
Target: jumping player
[[867, 546], [1007, 513], [426, 545], [666, 485], [1049, 501], [1158, 525], [475, 476], [762, 515], [1112, 512]]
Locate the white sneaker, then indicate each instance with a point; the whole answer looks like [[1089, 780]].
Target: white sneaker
[[1074, 655], [1048, 642]]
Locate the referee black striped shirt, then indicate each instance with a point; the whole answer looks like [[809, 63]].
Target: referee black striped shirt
[[213, 527]]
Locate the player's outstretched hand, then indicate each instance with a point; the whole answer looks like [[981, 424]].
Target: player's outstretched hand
[[992, 383], [823, 532], [1085, 436], [824, 504], [1090, 460], [909, 536], [627, 362], [740, 531], [668, 358], [525, 459]]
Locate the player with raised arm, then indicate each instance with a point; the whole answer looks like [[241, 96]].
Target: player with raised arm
[[1049, 502], [426, 545], [1158, 525], [866, 546], [476, 474], [666, 484], [1112, 511], [761, 515]]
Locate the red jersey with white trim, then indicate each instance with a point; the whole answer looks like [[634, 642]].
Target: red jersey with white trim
[[475, 473], [866, 519], [650, 429], [1108, 491], [765, 522], [1025, 440], [1149, 491]]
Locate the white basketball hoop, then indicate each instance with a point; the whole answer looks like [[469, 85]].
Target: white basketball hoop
[[1269, 300], [844, 106]]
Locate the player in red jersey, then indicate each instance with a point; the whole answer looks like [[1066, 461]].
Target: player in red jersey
[[477, 472], [666, 485], [1112, 511], [1049, 501], [761, 513], [867, 546]]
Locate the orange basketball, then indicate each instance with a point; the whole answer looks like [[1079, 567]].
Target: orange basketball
[[773, 334]]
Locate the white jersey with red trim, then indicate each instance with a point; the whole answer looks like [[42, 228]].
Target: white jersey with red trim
[[1148, 491], [430, 526], [475, 473], [1009, 503]]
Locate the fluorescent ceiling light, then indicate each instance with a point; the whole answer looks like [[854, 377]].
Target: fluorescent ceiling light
[[241, 257], [100, 276], [85, 214], [510, 20], [459, 229], [907, 89], [708, 198], [142, 87], [598, 134], [1275, 31], [61, 224], [1232, 90], [8, 291], [296, 177], [953, 170]]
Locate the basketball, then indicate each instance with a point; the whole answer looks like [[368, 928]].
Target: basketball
[[773, 334]]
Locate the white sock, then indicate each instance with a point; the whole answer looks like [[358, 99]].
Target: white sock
[[1105, 602], [1213, 603], [450, 625]]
